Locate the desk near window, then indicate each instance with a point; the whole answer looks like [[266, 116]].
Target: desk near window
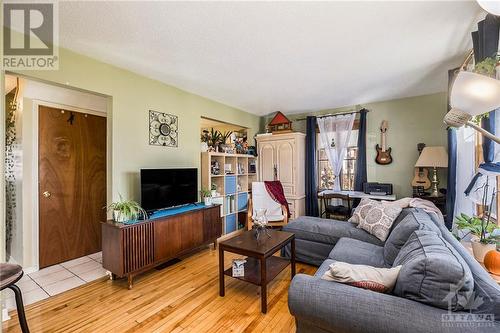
[[324, 195], [359, 195]]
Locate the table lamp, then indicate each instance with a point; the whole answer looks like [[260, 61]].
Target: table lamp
[[433, 157]]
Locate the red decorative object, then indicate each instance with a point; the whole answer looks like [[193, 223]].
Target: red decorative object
[[275, 190], [280, 123], [492, 262]]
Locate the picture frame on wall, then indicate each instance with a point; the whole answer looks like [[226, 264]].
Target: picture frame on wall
[[163, 129]]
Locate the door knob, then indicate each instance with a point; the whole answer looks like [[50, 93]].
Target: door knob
[[46, 194]]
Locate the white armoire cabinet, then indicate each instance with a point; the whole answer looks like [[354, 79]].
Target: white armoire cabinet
[[282, 157]]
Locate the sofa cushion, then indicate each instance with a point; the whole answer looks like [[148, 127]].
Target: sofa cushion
[[402, 215], [325, 266], [433, 272], [413, 220], [309, 252], [357, 252], [327, 231], [379, 220]]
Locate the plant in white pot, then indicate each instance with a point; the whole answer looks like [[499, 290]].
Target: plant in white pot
[[481, 229], [207, 196], [214, 190], [127, 211]]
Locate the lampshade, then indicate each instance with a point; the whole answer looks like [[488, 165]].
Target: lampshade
[[433, 157], [475, 94], [491, 6]]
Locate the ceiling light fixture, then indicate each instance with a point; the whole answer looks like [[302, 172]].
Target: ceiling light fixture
[[472, 95]]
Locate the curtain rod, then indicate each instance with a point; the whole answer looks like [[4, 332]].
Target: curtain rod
[[335, 114]]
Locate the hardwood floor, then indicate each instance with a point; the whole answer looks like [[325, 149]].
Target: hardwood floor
[[180, 298]]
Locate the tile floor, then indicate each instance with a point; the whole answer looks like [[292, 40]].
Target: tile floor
[[56, 279]]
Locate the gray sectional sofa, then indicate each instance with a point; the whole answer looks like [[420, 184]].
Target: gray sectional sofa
[[423, 299]]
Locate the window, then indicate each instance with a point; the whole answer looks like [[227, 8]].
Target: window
[[326, 179]]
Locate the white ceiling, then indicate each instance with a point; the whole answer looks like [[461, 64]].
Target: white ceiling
[[288, 56]]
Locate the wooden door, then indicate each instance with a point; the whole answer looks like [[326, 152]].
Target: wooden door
[[267, 161], [285, 164], [72, 184]]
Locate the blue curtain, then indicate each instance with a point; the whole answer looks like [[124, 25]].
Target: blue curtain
[[452, 176], [360, 177], [488, 123], [311, 186]]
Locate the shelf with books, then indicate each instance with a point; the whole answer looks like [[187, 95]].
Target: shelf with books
[[230, 176]]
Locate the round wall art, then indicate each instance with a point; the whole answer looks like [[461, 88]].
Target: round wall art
[[163, 129]]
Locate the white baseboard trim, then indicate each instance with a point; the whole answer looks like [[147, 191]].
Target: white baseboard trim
[[29, 270]]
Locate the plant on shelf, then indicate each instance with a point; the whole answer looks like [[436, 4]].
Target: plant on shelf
[[482, 228], [215, 138], [225, 136], [126, 211], [223, 145], [213, 190], [207, 196], [204, 138]]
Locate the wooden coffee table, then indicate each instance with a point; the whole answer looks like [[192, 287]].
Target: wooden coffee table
[[261, 266]]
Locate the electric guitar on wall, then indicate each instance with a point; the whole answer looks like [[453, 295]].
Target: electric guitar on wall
[[421, 177], [383, 153]]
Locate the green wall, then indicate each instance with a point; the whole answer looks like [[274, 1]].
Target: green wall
[[411, 120], [131, 96]]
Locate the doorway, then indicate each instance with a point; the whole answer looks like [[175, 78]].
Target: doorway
[[72, 183]]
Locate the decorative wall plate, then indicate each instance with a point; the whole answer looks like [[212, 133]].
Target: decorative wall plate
[[163, 129]]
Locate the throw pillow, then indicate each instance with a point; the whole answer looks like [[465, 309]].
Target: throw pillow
[[363, 276], [379, 220], [433, 272], [362, 210]]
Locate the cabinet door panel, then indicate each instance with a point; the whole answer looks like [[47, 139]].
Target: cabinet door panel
[[266, 161], [285, 160], [168, 237], [212, 224], [192, 225]]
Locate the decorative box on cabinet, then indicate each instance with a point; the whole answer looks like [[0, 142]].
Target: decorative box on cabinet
[[128, 250], [282, 157]]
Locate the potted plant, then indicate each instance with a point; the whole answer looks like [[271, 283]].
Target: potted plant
[[214, 139], [205, 137], [126, 211], [481, 229], [214, 190], [223, 140], [207, 196]]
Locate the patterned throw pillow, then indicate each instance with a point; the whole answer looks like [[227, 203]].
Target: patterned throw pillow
[[362, 276], [362, 210], [379, 220]]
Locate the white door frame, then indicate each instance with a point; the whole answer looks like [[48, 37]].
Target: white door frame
[[36, 218]]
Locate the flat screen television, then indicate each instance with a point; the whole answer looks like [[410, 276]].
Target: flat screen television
[[163, 188]]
